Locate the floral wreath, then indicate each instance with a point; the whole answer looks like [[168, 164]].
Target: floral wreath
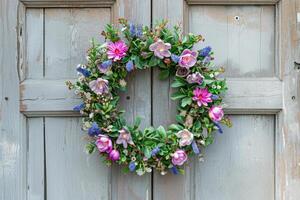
[[199, 90]]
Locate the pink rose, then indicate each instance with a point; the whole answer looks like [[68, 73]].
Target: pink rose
[[179, 157], [104, 144], [188, 58], [186, 137], [114, 155], [216, 113]]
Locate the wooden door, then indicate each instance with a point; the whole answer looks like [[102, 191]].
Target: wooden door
[[41, 145]]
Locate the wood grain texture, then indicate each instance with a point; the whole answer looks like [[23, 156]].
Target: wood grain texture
[[232, 2], [12, 123], [137, 102], [288, 141], [67, 3], [35, 164], [240, 163], [242, 37], [67, 37], [70, 172], [34, 43], [36, 101]]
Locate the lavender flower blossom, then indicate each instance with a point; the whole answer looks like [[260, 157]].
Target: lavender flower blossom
[[79, 107]]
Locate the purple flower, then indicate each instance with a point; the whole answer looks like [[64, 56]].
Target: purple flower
[[129, 66], [131, 166], [104, 66], [202, 96], [94, 130], [174, 170], [216, 113], [195, 147], [104, 144], [205, 51], [188, 58], [214, 97], [160, 49], [83, 71], [179, 157], [182, 72], [155, 151], [195, 78], [114, 155], [99, 86], [174, 58], [124, 138], [79, 107], [219, 127]]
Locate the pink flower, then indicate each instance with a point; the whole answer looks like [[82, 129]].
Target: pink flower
[[188, 58], [114, 155], [195, 78], [116, 50], [124, 138], [202, 96], [161, 49], [186, 137], [179, 157], [99, 86], [216, 113], [104, 144]]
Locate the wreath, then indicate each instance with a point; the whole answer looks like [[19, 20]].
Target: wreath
[[134, 47]]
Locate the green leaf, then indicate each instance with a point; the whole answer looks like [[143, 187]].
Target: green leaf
[[175, 127], [164, 74], [161, 130], [180, 119], [177, 84], [90, 148], [137, 122], [177, 95], [186, 101], [147, 153], [154, 61]]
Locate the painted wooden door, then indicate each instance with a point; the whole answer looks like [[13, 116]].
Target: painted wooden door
[[41, 145]]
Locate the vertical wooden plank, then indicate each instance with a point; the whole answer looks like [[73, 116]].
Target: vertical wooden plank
[[35, 166], [137, 102], [240, 163], [288, 140], [70, 172], [245, 30], [12, 123], [164, 109], [67, 37], [34, 43]]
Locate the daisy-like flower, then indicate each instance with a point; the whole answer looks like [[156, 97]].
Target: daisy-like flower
[[99, 86], [202, 96], [116, 50], [160, 49], [124, 138]]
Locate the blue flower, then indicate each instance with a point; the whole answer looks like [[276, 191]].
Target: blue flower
[[94, 130], [219, 127], [214, 97], [79, 107], [205, 51], [155, 151], [106, 64], [174, 170], [135, 31], [129, 66], [139, 31], [131, 166], [174, 58], [195, 147], [83, 71]]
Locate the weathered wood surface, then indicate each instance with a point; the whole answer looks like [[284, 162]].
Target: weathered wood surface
[[12, 123]]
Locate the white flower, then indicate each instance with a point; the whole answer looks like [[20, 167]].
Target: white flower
[[163, 173], [122, 83], [218, 87], [91, 115], [186, 137], [140, 172]]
